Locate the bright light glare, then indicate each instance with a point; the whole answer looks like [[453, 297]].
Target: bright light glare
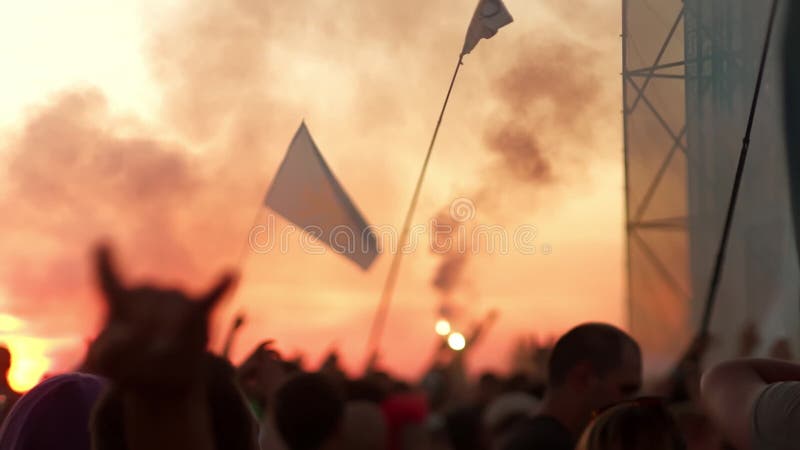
[[9, 324], [443, 327], [29, 361], [457, 342]]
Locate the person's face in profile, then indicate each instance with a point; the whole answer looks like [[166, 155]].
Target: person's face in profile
[[621, 383]]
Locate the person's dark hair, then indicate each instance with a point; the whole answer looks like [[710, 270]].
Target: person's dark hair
[[643, 424], [364, 390], [401, 387], [309, 410], [231, 419], [489, 379], [463, 427], [599, 344]]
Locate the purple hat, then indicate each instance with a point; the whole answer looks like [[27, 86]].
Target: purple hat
[[53, 415]]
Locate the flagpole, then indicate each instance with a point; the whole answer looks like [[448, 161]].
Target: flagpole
[[717, 274], [379, 321]]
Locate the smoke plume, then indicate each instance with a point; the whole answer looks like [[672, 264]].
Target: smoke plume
[[175, 196], [546, 101]]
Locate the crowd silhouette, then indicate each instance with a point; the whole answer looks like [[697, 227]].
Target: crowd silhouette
[[149, 382]]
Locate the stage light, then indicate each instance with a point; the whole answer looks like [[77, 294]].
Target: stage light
[[443, 327], [457, 342]]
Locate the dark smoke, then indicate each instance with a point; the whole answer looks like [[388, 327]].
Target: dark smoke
[[176, 198], [449, 241], [449, 273], [547, 99], [522, 155]]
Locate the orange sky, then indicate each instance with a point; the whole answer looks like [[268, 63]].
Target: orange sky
[[159, 126]]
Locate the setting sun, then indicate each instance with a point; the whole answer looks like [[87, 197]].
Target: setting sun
[[29, 361]]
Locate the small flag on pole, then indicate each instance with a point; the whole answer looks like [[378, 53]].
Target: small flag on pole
[[306, 192], [490, 16]]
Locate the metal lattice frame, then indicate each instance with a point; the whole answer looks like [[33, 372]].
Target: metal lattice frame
[[647, 74], [638, 81], [688, 75]]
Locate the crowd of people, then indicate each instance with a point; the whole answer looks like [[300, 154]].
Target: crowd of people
[[149, 382]]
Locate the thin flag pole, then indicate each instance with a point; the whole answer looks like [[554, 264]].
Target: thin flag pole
[[378, 323], [718, 266]]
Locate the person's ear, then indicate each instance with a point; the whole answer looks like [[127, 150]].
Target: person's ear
[[109, 281]]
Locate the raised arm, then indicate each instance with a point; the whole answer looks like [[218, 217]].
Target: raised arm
[[732, 389]]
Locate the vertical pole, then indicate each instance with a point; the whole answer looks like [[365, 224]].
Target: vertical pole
[[628, 229], [717, 275], [378, 323]]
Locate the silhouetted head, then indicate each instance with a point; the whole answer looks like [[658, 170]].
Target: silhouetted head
[[634, 425], [232, 422], [309, 412], [489, 387], [364, 390], [463, 426], [696, 427], [152, 336], [596, 362]]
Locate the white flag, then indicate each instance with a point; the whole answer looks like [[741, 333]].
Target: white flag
[[306, 193], [490, 16]]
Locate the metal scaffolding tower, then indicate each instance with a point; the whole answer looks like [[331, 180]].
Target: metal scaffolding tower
[[656, 155], [689, 71]]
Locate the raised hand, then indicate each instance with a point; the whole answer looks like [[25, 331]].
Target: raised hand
[[238, 322], [781, 349], [262, 373], [748, 340]]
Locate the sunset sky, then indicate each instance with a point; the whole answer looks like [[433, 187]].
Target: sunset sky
[[158, 125]]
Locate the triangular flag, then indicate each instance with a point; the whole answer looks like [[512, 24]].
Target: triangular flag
[[306, 192], [490, 16]]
